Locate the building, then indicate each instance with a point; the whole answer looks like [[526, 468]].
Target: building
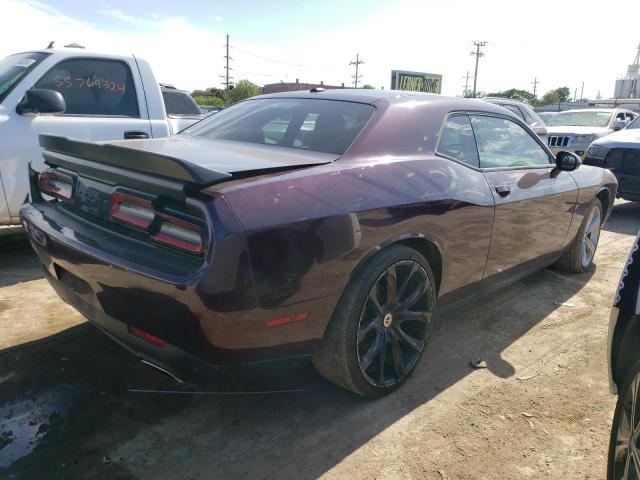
[[295, 86], [629, 86]]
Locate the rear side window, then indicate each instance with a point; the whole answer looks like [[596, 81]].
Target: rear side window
[[528, 118], [327, 126], [180, 103], [93, 87], [457, 140], [503, 143], [514, 109]]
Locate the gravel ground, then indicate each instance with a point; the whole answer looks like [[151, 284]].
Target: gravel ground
[[541, 408]]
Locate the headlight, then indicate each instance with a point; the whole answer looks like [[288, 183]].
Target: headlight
[[579, 139], [597, 152]]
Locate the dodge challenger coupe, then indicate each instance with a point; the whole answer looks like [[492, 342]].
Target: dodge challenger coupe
[[624, 372], [324, 224]]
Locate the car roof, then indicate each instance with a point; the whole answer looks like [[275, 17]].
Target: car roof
[[504, 100], [598, 110], [391, 96]]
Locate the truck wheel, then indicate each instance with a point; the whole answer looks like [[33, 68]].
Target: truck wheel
[[579, 256], [380, 326]]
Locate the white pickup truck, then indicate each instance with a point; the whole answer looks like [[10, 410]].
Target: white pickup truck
[[78, 94]]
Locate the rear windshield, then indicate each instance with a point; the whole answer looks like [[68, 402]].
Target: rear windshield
[[178, 103], [580, 119], [327, 126], [14, 68]]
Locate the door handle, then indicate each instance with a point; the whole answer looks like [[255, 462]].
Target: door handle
[[503, 190], [133, 135]]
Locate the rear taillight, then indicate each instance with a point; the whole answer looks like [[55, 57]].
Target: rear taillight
[[57, 184], [165, 229], [179, 234], [133, 210]]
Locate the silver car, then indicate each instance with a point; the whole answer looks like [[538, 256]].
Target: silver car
[[524, 112], [574, 130]]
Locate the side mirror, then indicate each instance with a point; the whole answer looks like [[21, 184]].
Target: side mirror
[[568, 161], [39, 101], [619, 125]]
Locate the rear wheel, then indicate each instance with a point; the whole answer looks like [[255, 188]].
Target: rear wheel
[[381, 324], [579, 256]]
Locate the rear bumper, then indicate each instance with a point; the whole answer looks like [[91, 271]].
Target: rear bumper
[[172, 360], [212, 332]]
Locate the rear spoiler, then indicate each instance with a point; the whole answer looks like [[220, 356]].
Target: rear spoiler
[[107, 160]]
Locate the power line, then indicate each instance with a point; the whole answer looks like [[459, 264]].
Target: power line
[[271, 59], [357, 63], [477, 54]]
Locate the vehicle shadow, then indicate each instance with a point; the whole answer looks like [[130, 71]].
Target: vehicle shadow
[[625, 218], [18, 261], [100, 429]]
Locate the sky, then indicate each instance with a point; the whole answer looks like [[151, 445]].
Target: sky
[[561, 43]]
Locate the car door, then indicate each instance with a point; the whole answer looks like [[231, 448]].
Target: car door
[[104, 101], [534, 201]]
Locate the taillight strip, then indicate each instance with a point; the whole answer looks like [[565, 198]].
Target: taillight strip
[[140, 219], [58, 184]]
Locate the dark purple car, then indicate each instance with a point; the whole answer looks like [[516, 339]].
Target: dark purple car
[[324, 225]]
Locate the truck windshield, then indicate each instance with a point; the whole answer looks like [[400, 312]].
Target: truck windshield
[[14, 67], [327, 126], [180, 103], [580, 119]]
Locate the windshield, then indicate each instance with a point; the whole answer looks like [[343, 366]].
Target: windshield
[[327, 126], [180, 103], [14, 67], [580, 119], [634, 124]]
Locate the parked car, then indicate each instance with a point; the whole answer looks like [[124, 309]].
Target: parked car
[[624, 372], [524, 112], [324, 224], [182, 110], [574, 130], [620, 152], [545, 116], [70, 91]]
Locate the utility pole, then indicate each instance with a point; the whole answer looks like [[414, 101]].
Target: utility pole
[[582, 92], [227, 79], [466, 84], [575, 94], [356, 77], [535, 86], [477, 54]]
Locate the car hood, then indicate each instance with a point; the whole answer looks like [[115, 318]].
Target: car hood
[[621, 139], [227, 155], [573, 130]]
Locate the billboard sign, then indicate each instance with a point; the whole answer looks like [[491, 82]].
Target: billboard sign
[[416, 81]]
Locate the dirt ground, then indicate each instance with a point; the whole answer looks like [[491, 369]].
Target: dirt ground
[[541, 409]]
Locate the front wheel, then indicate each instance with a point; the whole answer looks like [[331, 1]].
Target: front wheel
[[381, 324], [579, 256]]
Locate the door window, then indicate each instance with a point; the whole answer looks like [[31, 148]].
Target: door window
[[503, 143], [457, 140], [93, 87]]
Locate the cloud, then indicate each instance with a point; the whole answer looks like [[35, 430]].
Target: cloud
[[218, 18]]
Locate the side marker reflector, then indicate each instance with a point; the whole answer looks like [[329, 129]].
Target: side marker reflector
[[147, 336], [298, 317]]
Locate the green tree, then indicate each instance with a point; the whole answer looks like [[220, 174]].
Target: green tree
[[368, 87], [243, 89], [515, 94], [558, 95], [208, 100]]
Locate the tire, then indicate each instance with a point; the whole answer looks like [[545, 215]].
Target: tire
[[371, 346], [619, 444], [579, 258]]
